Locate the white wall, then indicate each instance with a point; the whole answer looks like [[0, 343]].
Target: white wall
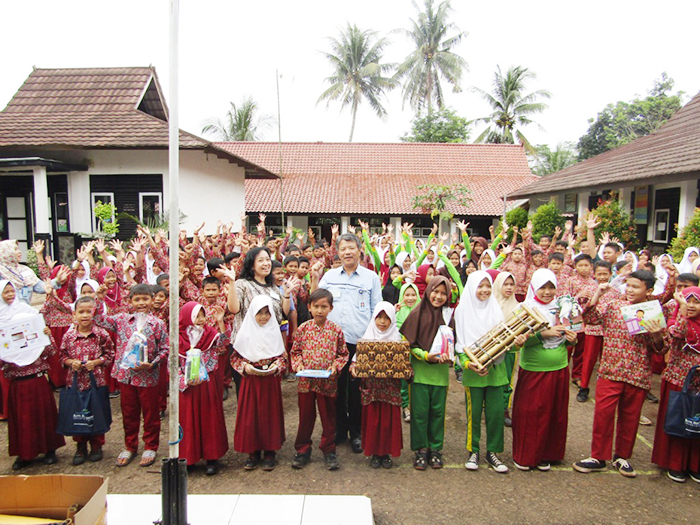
[[211, 189]]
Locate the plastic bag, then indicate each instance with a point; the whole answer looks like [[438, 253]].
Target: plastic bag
[[443, 343], [136, 352], [194, 368]]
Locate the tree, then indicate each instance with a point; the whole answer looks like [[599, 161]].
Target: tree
[[443, 125], [241, 123], [515, 217], [512, 108], [358, 74], [545, 219], [433, 199], [546, 161], [433, 57], [617, 221], [689, 236], [623, 122]]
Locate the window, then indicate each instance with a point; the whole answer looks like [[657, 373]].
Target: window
[[150, 207], [104, 198], [661, 225]]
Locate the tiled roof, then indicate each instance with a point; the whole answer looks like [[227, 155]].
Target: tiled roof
[[351, 178], [673, 149], [97, 108]]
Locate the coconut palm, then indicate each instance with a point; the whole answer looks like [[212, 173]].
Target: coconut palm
[[242, 122], [512, 108], [549, 161], [433, 57], [358, 74]]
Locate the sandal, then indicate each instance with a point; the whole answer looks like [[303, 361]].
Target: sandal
[[435, 459], [124, 458], [148, 458], [420, 461]]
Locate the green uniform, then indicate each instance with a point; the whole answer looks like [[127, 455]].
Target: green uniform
[[428, 400]]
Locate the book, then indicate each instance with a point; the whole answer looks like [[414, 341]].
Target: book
[[637, 316], [316, 374]]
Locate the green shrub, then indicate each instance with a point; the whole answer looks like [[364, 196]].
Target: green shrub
[[617, 221], [689, 236], [545, 219]]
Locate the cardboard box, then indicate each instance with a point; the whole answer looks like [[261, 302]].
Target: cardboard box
[[80, 498]]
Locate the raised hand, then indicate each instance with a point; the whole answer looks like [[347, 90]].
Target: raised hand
[[38, 247], [289, 230], [557, 231], [218, 313], [262, 217], [434, 229], [291, 285], [569, 225], [444, 237], [229, 273], [100, 245], [63, 275], [389, 228], [335, 229], [364, 225], [529, 225], [351, 229], [300, 237], [48, 289], [592, 222], [311, 234], [462, 226], [50, 262]]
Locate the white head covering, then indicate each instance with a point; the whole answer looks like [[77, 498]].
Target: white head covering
[[685, 266], [254, 342], [474, 318], [696, 265], [18, 274], [79, 282], [492, 254], [548, 310], [509, 304], [661, 275], [8, 311], [150, 274], [390, 334], [619, 257], [635, 260], [92, 284], [400, 258]]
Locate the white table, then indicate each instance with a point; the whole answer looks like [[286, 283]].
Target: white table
[[261, 509]]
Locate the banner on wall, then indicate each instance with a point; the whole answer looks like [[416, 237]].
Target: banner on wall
[[641, 204]]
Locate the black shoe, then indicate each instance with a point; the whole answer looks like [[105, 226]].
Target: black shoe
[[387, 462], [356, 444], [50, 458], [113, 395], [459, 374], [623, 467], [678, 477], [252, 462], [79, 457], [589, 465], [332, 462], [161, 415], [269, 462], [375, 462], [212, 468], [300, 460], [695, 476], [225, 396], [19, 464], [652, 398], [582, 395], [341, 438], [435, 459], [95, 455], [420, 461], [507, 421]]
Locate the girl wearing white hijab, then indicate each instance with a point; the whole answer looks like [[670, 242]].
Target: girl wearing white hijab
[[259, 356], [661, 274], [541, 401], [504, 292], [23, 278], [689, 256], [477, 313], [381, 398]]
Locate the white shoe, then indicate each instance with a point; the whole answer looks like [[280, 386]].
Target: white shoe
[[407, 415], [495, 463], [524, 468], [473, 461]]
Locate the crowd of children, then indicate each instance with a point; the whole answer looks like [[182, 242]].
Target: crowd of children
[[251, 314]]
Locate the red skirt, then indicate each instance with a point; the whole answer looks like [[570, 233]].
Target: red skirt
[[658, 363], [112, 383], [57, 374], [670, 452], [4, 396], [32, 418], [540, 416], [203, 424], [260, 416], [381, 429]]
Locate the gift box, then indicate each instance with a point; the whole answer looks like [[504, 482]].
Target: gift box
[[383, 359]]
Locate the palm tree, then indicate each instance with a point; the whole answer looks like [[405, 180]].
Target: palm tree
[[433, 57], [357, 74], [241, 123], [511, 107], [548, 161]]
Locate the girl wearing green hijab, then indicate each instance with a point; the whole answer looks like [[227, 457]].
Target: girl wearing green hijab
[[408, 299]]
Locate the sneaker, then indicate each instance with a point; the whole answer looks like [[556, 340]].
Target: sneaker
[[645, 421], [375, 462], [290, 378], [473, 461], [495, 463], [623, 467], [589, 465], [507, 421], [459, 374], [524, 468], [407, 415], [332, 462], [300, 460], [543, 466], [161, 415], [269, 462], [695, 476], [652, 398], [435, 459], [678, 477], [582, 395], [387, 462], [420, 461]]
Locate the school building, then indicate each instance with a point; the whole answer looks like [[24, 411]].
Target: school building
[[341, 183], [72, 137], [657, 177]]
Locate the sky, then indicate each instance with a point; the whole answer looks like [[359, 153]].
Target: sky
[[586, 54]]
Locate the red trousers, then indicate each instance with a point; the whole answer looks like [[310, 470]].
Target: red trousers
[[57, 374], [163, 385], [381, 429], [627, 400], [112, 383], [592, 349], [576, 356], [4, 396], [96, 441], [670, 452], [135, 401], [658, 363], [307, 418]]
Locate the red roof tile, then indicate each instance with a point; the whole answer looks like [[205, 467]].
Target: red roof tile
[[351, 178], [673, 149]]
